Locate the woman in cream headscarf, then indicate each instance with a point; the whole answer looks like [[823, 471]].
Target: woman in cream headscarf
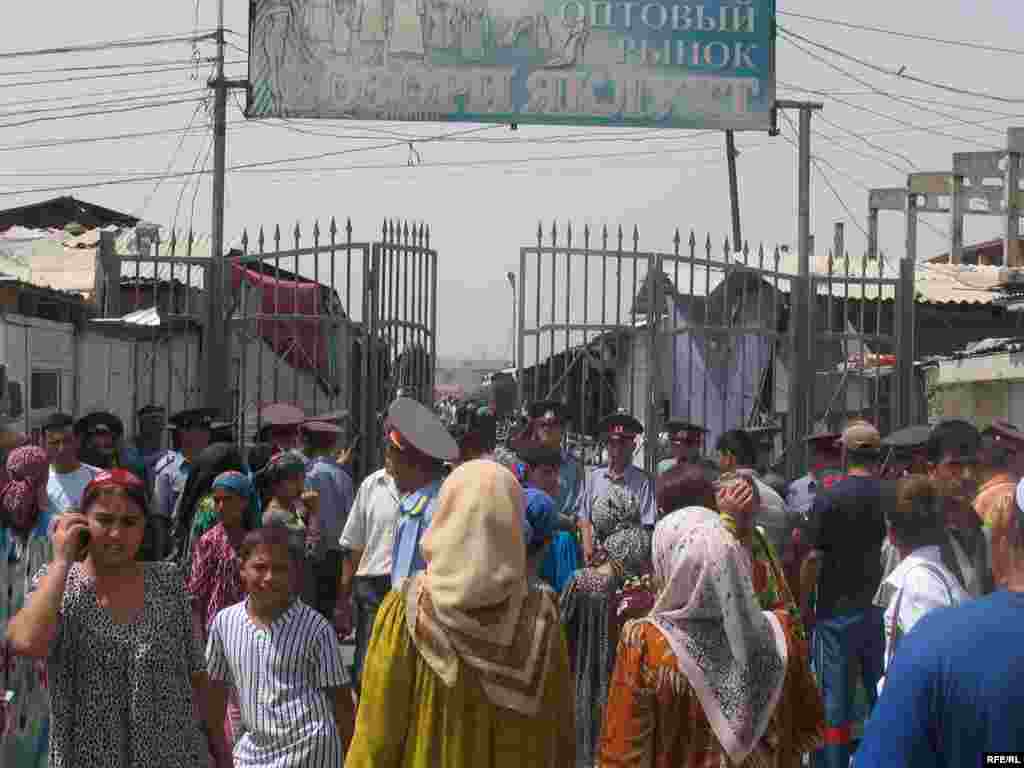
[[467, 667], [708, 678]]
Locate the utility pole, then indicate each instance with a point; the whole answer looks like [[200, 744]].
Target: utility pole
[[217, 389], [734, 190], [801, 388]]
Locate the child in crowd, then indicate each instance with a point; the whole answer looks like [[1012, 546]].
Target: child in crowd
[[283, 659]]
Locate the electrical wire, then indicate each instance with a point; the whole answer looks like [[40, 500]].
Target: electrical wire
[[156, 90], [109, 45], [905, 35], [50, 143], [62, 80], [876, 92], [123, 100], [902, 73], [105, 112], [92, 67], [141, 212], [886, 94], [189, 178], [265, 165]]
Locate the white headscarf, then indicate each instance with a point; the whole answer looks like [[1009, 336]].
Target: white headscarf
[[732, 653]]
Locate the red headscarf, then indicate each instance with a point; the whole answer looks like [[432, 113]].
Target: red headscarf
[[28, 469]]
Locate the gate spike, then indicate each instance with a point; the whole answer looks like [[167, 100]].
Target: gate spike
[[746, 252], [707, 244], [726, 248], [604, 236], [405, 232], [586, 235], [568, 234], [677, 239], [245, 241], [846, 262], [334, 228], [174, 241], [191, 241], [778, 257], [384, 230], [554, 233], [297, 233], [277, 237], [540, 232], [316, 231], [830, 260], [428, 237], [760, 254], [260, 239], [620, 237], [636, 238]]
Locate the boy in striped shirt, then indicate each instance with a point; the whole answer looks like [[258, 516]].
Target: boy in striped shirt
[[283, 658]]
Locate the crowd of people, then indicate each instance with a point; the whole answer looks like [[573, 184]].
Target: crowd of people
[[508, 605]]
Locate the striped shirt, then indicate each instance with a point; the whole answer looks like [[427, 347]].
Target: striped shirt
[[282, 675]]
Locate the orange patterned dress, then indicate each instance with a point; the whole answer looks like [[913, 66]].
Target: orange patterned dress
[[654, 720]]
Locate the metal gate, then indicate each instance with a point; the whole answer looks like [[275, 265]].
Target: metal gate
[[318, 319], [707, 334]]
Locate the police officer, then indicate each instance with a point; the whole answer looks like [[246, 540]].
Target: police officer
[[416, 447], [826, 466], [191, 430], [146, 447], [280, 426], [548, 420], [100, 433]]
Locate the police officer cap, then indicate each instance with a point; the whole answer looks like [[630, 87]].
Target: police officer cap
[[334, 417], [909, 437], [321, 428], [192, 418], [548, 409], [282, 415], [1003, 431], [58, 422], [621, 424], [99, 421], [676, 426], [151, 410], [539, 455], [419, 428]]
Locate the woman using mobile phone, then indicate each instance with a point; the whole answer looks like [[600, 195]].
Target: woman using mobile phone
[[123, 662]]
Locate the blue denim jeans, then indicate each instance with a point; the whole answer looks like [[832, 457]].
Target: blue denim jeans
[[846, 650]]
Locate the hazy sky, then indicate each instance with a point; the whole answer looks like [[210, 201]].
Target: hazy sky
[[480, 216]]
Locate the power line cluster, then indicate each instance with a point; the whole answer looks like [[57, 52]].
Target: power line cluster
[[23, 112]]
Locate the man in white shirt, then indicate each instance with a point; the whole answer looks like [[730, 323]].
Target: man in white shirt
[[68, 475], [920, 583], [368, 540]]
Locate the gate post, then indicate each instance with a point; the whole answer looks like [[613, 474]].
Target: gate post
[[905, 346], [653, 415]]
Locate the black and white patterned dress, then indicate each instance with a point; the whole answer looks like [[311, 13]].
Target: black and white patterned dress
[[121, 694]]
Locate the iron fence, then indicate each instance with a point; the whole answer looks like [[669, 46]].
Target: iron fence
[[316, 319], [706, 333]]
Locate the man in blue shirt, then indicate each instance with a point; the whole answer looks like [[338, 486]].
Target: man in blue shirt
[[548, 419], [953, 691], [191, 430], [334, 487], [416, 447]]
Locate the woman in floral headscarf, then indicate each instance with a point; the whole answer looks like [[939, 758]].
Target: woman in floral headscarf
[[24, 548], [708, 679]]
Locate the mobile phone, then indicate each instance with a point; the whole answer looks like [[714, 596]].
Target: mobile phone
[[84, 537]]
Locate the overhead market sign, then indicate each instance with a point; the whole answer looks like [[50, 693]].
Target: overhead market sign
[[549, 62]]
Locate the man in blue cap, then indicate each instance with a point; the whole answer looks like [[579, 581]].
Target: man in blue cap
[[416, 447]]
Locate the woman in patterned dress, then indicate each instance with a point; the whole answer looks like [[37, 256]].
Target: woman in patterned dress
[[617, 513], [24, 548], [708, 679], [769, 577], [123, 662]]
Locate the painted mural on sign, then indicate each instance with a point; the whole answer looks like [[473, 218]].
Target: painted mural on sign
[[556, 62]]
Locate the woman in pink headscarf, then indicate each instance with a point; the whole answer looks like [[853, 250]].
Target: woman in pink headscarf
[[24, 548], [708, 679]]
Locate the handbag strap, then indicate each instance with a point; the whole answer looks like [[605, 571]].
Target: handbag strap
[[896, 634]]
